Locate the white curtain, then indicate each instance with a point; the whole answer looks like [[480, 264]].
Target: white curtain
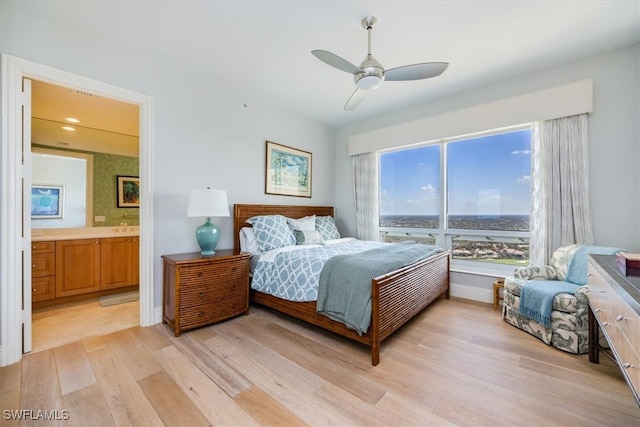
[[365, 181], [561, 213]]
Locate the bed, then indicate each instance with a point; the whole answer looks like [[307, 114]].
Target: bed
[[396, 297]]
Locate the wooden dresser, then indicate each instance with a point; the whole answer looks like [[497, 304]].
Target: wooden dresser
[[614, 302], [199, 290]]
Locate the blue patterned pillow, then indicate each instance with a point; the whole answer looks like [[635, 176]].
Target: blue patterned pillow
[[272, 232], [327, 227]]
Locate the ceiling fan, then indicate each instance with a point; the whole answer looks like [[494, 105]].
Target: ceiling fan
[[370, 74]]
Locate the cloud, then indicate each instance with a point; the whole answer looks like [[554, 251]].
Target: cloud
[[519, 152], [524, 179]]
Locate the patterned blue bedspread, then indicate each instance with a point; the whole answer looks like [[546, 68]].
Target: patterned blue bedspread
[[293, 272]]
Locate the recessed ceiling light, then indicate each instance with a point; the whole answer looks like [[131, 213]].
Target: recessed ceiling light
[[72, 120], [69, 128]]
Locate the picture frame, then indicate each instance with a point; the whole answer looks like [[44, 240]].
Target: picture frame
[[128, 191], [47, 201], [288, 171]]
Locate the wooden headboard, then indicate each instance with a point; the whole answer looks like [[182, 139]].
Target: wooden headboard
[[241, 213]]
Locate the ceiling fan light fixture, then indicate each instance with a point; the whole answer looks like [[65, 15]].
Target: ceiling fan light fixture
[[369, 82]]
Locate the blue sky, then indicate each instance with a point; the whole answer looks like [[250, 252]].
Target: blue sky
[[487, 176]]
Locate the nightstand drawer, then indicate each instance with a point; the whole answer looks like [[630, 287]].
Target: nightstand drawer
[[210, 294], [231, 271], [214, 312]]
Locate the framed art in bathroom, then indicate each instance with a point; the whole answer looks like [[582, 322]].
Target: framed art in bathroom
[[47, 201], [128, 191]]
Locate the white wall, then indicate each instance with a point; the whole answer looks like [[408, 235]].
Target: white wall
[[613, 130], [203, 135]]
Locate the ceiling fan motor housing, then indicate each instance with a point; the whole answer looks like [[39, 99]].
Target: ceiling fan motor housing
[[372, 74]]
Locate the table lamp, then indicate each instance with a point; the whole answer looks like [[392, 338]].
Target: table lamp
[[208, 203]]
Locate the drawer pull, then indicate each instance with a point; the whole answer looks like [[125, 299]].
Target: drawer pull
[[598, 310], [605, 324], [201, 314], [35, 290], [201, 293], [200, 274], [33, 266], [602, 291], [234, 305], [620, 317], [234, 269], [233, 287], [627, 365]]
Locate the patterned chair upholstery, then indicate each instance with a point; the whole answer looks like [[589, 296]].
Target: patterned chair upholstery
[[569, 329]]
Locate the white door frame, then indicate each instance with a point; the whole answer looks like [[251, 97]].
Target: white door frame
[[12, 220]]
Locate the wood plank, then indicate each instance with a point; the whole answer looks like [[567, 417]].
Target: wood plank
[[74, 369], [127, 403], [266, 410], [227, 378], [333, 366], [173, 406], [211, 400], [304, 405], [40, 388], [88, 407], [139, 361]]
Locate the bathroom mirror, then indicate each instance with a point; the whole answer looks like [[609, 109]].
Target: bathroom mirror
[[71, 174]]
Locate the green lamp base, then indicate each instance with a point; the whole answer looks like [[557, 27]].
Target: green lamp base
[[207, 236]]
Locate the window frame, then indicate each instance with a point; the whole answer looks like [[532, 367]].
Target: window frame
[[444, 236]]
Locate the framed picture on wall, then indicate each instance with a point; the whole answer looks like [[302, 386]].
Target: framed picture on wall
[[288, 171], [47, 201], [128, 191]]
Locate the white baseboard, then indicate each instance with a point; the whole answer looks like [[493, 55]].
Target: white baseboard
[[472, 292], [157, 315]]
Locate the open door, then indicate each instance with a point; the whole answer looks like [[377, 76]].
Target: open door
[[26, 215]]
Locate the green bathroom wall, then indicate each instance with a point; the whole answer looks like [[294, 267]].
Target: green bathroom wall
[[106, 168]]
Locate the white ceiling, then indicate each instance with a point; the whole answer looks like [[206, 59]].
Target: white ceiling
[[263, 47]]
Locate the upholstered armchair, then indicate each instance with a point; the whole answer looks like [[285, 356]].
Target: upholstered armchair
[[563, 280]]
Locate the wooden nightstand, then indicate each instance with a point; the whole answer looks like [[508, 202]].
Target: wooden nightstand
[[199, 290]]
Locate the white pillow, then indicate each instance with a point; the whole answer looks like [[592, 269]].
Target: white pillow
[[248, 241], [308, 223]]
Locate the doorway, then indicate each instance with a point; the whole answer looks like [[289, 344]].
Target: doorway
[[15, 224], [80, 143]]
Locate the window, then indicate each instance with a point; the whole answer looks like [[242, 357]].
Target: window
[[483, 216]]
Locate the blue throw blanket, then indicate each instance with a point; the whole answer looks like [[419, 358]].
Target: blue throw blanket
[[577, 272], [344, 288], [536, 297]]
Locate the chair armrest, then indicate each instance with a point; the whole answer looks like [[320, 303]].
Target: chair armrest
[[545, 272]]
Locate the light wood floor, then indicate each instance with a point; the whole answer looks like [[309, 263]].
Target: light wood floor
[[58, 325], [457, 363]]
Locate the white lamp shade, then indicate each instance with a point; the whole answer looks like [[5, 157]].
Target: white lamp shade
[[208, 202]]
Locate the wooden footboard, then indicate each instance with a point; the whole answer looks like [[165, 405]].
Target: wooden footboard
[[396, 297]]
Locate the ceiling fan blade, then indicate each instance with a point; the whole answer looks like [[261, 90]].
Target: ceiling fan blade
[[335, 61], [424, 70], [354, 100]]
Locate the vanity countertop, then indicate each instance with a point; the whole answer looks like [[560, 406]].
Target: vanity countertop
[[44, 234]]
